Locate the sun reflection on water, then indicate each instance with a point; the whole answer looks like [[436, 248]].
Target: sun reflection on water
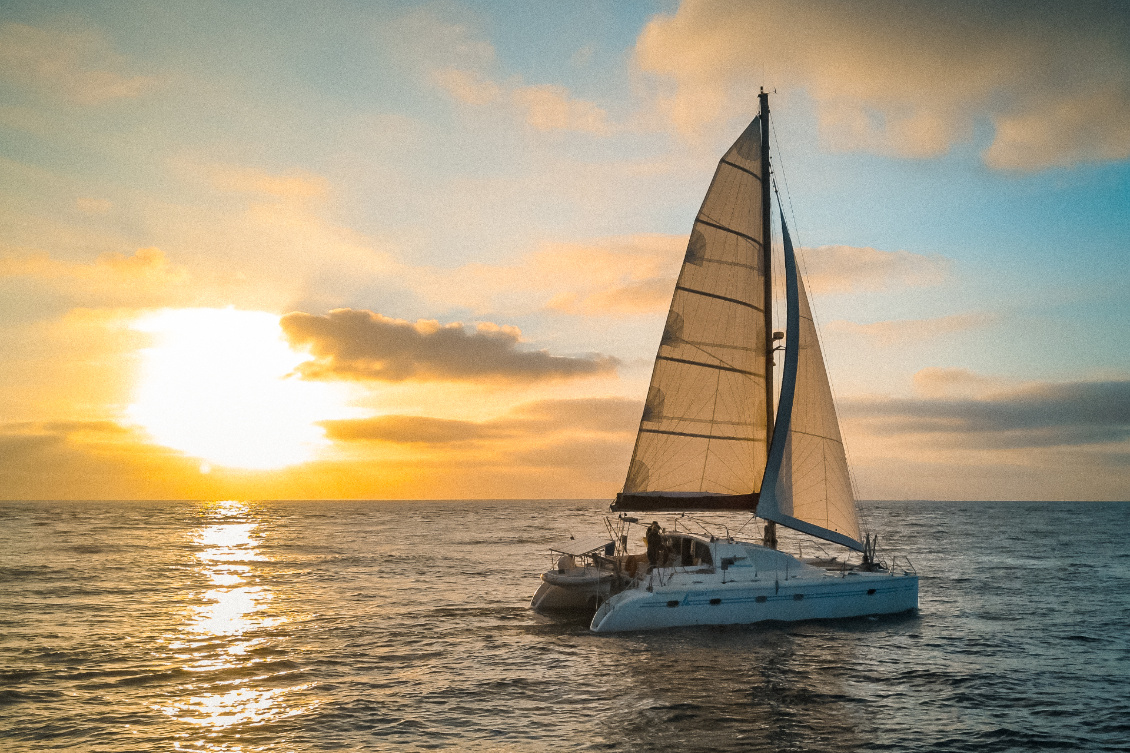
[[224, 631]]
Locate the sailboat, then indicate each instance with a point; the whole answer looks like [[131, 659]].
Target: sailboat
[[710, 440]]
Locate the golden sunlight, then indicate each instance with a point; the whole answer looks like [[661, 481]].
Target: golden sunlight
[[218, 384]]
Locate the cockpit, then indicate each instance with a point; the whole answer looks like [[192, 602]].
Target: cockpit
[[684, 551]]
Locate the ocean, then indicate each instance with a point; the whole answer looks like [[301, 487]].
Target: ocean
[[403, 626]]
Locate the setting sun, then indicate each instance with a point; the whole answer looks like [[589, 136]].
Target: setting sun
[[219, 384]]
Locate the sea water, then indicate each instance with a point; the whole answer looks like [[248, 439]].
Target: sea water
[[370, 626]]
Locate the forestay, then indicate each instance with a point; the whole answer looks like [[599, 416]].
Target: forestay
[[702, 441], [807, 486]]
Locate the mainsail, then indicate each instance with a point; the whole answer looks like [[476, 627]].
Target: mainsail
[[703, 438], [807, 486]]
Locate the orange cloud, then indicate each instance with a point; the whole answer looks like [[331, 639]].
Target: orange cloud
[[78, 65], [297, 185], [551, 108], [544, 107], [910, 78], [846, 269], [905, 331], [364, 345], [530, 422], [468, 87], [941, 383], [619, 276], [145, 278]]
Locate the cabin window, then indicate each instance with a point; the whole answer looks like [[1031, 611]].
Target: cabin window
[[760, 599], [683, 551], [798, 597], [871, 592], [715, 602], [686, 552], [672, 603]]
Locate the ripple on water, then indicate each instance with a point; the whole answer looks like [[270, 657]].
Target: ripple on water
[[374, 626]]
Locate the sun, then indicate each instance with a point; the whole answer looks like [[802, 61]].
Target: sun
[[219, 384]]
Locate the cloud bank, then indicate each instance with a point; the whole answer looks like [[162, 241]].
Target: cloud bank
[[912, 78], [1043, 415], [364, 345]]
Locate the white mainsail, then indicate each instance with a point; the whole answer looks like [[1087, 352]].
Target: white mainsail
[[704, 427], [807, 486]]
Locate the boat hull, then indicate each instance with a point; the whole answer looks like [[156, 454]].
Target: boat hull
[[579, 589], [857, 594]]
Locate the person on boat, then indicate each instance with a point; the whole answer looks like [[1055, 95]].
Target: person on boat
[[654, 542]]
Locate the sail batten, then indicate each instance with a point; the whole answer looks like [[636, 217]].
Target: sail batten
[[737, 301], [724, 229], [701, 436]]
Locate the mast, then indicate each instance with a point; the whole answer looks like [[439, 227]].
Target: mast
[[770, 535]]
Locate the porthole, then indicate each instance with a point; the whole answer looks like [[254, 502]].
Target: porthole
[[715, 602], [798, 597], [760, 599], [672, 603], [871, 592]]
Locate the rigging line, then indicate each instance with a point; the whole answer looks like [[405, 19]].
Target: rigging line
[[785, 178]]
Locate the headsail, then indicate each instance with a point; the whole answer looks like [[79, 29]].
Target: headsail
[[807, 486], [702, 442]]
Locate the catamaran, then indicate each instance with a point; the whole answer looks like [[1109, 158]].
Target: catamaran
[[710, 441]]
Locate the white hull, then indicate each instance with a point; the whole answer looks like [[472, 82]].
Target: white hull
[[827, 596], [727, 582]]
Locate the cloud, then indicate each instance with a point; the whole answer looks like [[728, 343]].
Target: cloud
[[906, 331], [363, 345], [298, 185], [78, 65], [468, 87], [594, 414], [616, 276], [528, 422], [143, 278], [552, 108], [543, 107], [458, 62], [1041, 415], [846, 269], [935, 382], [911, 78], [410, 430], [644, 297], [563, 448]]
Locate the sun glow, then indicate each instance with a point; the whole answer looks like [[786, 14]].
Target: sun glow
[[218, 384]]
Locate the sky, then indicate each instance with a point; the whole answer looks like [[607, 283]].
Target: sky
[[395, 250]]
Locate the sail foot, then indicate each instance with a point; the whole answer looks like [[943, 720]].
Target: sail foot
[[628, 502]]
